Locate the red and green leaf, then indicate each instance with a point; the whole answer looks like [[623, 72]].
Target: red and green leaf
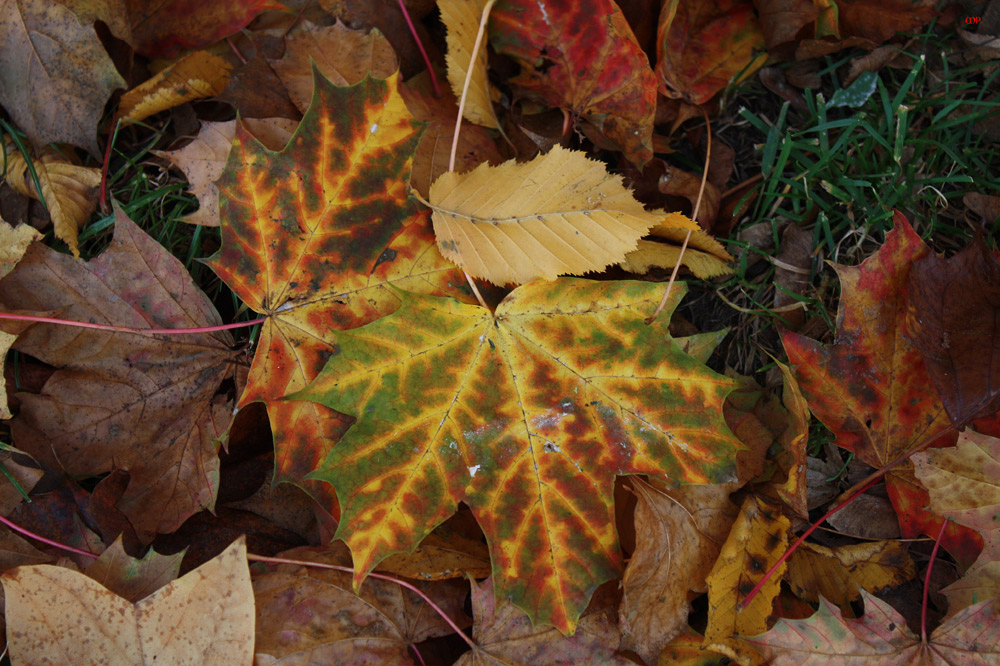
[[526, 416]]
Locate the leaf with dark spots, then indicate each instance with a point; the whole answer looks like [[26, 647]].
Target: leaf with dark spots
[[871, 387], [305, 251], [526, 429]]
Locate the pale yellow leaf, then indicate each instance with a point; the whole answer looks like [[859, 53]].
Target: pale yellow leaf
[[981, 581], [13, 242], [840, 573], [58, 616], [650, 254], [560, 213], [674, 228], [342, 55], [196, 75], [461, 18]]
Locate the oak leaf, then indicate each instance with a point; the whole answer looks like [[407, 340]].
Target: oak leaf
[[196, 75], [310, 237], [311, 615], [871, 386], [57, 616], [55, 76], [559, 213], [880, 636], [526, 416], [68, 190], [462, 19], [155, 406], [583, 58]]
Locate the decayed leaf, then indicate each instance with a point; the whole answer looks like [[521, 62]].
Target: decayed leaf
[[204, 159], [342, 55], [526, 416], [559, 213], [678, 536], [433, 153], [196, 75], [58, 616], [311, 615], [161, 29], [55, 76], [13, 242], [701, 47], [881, 637], [981, 581], [68, 190], [964, 481], [505, 636], [151, 405], [870, 388], [314, 251], [839, 574], [130, 578], [757, 540], [953, 318], [583, 58], [437, 558], [462, 18]]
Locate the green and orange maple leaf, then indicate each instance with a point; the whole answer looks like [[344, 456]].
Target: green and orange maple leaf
[[526, 415]]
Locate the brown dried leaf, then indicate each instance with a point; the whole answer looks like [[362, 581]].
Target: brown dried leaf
[[130, 578], [437, 558]]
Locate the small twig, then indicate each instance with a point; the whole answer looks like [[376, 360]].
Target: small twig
[[126, 329], [236, 50], [927, 583], [468, 80], [475, 290], [420, 45]]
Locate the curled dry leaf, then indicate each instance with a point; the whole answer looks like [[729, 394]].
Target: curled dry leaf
[[462, 19], [68, 190], [196, 75], [312, 615], [678, 536], [57, 616], [342, 55], [839, 573], [559, 213], [55, 76]]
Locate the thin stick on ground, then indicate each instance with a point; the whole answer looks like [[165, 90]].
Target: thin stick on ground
[[420, 45], [468, 81], [927, 582]]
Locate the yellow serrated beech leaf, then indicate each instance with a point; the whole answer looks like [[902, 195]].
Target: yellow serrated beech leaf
[[560, 213], [196, 75], [757, 540], [67, 189], [839, 573], [59, 616], [650, 254], [462, 18]]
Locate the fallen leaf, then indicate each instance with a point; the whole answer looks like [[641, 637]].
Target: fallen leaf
[[68, 190], [311, 615], [462, 19], [701, 48], [867, 517], [506, 635], [870, 387], [437, 558], [758, 538], [651, 254], [161, 29], [792, 272], [315, 252], [149, 404], [196, 75], [342, 55], [559, 213], [130, 578], [57, 616], [678, 537], [964, 480], [13, 243], [526, 416], [839, 573], [986, 206], [582, 58], [880, 636], [687, 649], [953, 318], [55, 76], [981, 581]]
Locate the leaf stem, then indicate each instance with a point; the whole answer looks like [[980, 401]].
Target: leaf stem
[[420, 45], [126, 329], [468, 81], [391, 579], [475, 290], [37, 537], [927, 582]]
